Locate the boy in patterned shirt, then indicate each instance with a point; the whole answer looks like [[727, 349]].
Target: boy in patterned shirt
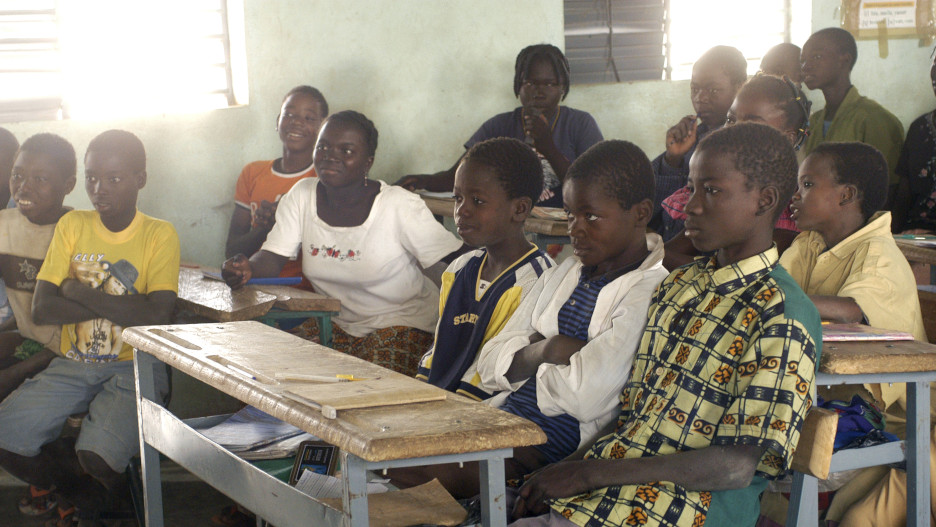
[[721, 382]]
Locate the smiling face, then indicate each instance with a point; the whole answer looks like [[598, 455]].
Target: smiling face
[[602, 233], [113, 186], [817, 202], [712, 93], [722, 208], [341, 156], [750, 106], [299, 121], [541, 88], [483, 212], [38, 185]]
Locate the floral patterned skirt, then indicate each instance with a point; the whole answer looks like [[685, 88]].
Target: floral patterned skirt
[[398, 348]]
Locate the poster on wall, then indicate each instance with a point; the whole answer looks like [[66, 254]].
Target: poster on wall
[[883, 19]]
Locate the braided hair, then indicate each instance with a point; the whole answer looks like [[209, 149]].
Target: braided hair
[[788, 98], [547, 52]]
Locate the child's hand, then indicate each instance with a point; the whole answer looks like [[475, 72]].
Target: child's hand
[[236, 271], [558, 480], [265, 216], [412, 182], [680, 139], [536, 127]]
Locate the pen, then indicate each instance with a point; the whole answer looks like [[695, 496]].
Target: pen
[[316, 378]]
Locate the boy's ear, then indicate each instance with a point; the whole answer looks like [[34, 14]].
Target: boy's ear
[[642, 210], [850, 194], [521, 209], [141, 179], [767, 200], [70, 185]]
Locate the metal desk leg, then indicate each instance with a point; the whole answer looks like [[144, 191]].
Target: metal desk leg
[[144, 365], [354, 489], [918, 452], [493, 498], [325, 330], [804, 501]]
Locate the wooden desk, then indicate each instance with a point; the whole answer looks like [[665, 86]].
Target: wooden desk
[[449, 430], [910, 362], [916, 253], [216, 301], [543, 231]]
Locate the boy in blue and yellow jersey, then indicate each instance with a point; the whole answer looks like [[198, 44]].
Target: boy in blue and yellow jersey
[[721, 381], [105, 270], [496, 185]]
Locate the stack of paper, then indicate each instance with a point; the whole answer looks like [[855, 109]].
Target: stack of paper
[[254, 434]]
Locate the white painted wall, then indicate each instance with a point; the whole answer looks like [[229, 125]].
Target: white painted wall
[[428, 73]]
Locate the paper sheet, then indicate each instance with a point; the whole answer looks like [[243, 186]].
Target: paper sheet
[[323, 486]]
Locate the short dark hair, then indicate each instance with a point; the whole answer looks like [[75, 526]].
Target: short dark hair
[[314, 93], [842, 39], [761, 153], [861, 165], [122, 143], [550, 53], [57, 148], [620, 167], [729, 59], [360, 121], [518, 168], [785, 96], [8, 142], [776, 57]]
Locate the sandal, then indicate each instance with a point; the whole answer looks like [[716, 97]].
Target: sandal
[[66, 518], [37, 501]]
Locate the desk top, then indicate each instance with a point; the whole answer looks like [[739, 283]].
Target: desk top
[[849, 358], [446, 426], [215, 300], [916, 253], [446, 207]]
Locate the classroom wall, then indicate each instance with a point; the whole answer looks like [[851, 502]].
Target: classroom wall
[[428, 74]]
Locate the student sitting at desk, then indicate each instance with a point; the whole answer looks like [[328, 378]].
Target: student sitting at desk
[[558, 134], [847, 261], [495, 186], [721, 380], [106, 269], [363, 242], [716, 78], [42, 175], [764, 99], [262, 183]]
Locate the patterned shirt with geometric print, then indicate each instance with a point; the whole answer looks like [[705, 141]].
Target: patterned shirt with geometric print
[[728, 358]]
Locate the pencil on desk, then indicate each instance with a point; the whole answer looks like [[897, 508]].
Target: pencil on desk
[[309, 377]]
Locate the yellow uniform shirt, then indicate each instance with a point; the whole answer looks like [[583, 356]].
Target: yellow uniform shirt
[[140, 259]]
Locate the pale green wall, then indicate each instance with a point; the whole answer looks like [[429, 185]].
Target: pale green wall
[[428, 73]]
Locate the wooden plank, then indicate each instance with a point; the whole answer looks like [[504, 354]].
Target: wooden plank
[[217, 301], [450, 426], [813, 454], [849, 358], [916, 253], [292, 299]]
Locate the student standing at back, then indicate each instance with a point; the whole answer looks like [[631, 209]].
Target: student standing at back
[[262, 183], [828, 58], [557, 133], [716, 78], [496, 185]]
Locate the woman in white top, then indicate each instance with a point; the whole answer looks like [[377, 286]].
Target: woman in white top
[[363, 242]]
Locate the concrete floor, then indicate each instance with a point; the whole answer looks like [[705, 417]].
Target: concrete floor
[[189, 502]]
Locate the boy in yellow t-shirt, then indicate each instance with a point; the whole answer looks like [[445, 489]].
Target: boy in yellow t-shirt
[[105, 270]]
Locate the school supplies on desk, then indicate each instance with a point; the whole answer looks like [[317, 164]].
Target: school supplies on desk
[[254, 434], [860, 332], [550, 213]]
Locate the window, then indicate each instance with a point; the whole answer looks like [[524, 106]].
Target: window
[[115, 58], [626, 40]]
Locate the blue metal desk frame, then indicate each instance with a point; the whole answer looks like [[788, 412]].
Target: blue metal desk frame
[[804, 499]]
